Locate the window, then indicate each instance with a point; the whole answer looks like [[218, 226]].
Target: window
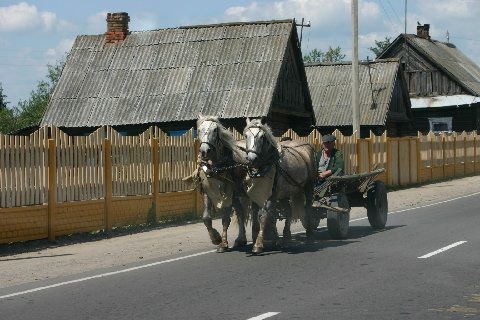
[[440, 124]]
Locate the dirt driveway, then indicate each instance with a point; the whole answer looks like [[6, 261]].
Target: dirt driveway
[[39, 260]]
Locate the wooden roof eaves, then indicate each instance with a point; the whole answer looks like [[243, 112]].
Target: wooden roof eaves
[[427, 56], [294, 42]]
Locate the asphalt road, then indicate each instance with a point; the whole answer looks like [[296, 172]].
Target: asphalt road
[[424, 265]]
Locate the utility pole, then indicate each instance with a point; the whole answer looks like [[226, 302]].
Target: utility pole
[[301, 29], [355, 80]]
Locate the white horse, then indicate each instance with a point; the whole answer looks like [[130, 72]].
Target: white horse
[[279, 175], [221, 173]]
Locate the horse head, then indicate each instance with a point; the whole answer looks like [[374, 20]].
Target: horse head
[[261, 146], [209, 137]]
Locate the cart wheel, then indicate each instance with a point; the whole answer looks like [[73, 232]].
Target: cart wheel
[[338, 222], [377, 205], [314, 220]]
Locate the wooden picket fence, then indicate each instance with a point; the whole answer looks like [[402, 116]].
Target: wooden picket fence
[[80, 161], [53, 184]]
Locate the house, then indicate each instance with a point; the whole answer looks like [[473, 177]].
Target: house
[[443, 83], [167, 77], [384, 101]]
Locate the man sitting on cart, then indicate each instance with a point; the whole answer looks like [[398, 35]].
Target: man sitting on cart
[[330, 159]]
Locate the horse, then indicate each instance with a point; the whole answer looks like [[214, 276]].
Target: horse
[[280, 176], [221, 172]]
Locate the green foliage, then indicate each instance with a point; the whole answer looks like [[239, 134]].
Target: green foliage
[[3, 101], [7, 116], [331, 55], [334, 55], [314, 56], [7, 120], [380, 46], [30, 112]]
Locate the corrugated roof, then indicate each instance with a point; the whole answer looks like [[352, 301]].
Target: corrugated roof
[[331, 90], [447, 57], [229, 70]]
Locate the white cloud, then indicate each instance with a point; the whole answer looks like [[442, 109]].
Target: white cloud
[[63, 47], [97, 24], [142, 21], [319, 12], [447, 9], [23, 17]]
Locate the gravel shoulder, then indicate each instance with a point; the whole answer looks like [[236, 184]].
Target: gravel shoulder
[[39, 260]]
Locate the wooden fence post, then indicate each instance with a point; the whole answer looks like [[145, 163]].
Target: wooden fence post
[[107, 148], [443, 156], [419, 159], [52, 188], [156, 174], [387, 165]]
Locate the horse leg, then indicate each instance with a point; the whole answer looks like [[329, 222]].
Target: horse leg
[[287, 234], [262, 218], [255, 222], [308, 211], [266, 220], [207, 221], [241, 240], [223, 246]]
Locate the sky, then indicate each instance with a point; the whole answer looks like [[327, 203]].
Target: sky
[[36, 33]]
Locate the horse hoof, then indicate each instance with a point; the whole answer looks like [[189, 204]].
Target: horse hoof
[[257, 250], [222, 249], [310, 239], [239, 243]]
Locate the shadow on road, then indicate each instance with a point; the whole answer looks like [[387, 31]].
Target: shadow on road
[[322, 240]]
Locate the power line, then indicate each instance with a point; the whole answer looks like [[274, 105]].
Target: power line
[[476, 40], [388, 16], [399, 19]]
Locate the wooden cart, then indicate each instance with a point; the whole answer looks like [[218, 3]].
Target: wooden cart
[[334, 198]]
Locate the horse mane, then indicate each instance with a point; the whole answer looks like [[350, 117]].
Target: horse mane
[[224, 134], [257, 123]]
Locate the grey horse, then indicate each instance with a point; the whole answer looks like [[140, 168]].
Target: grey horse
[[280, 175], [221, 173]]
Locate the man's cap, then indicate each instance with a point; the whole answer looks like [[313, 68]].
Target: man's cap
[[328, 138]]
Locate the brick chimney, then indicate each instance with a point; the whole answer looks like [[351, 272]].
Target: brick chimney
[[423, 31], [117, 27]]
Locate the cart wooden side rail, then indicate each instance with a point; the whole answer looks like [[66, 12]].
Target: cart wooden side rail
[[334, 198]]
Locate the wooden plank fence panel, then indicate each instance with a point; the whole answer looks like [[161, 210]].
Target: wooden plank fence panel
[[80, 161], [470, 153], [460, 153], [403, 161], [414, 159], [425, 154], [449, 155], [392, 163]]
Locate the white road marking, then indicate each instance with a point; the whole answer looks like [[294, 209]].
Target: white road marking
[[104, 274], [436, 203], [264, 316], [191, 256], [428, 255]]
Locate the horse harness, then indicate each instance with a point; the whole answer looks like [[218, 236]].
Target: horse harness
[[276, 162]]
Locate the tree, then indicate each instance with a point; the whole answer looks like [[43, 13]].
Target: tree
[[3, 101], [332, 55], [314, 56], [7, 120], [380, 46], [30, 112], [7, 116]]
